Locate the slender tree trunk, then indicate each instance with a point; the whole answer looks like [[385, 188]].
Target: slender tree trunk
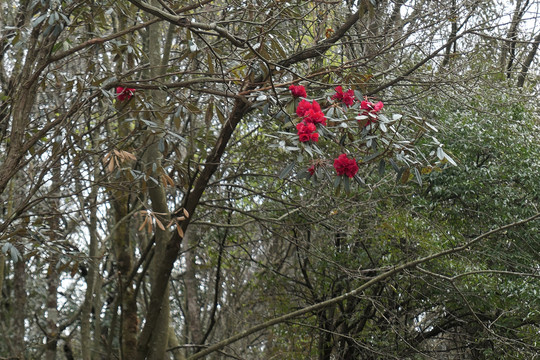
[[86, 339], [53, 281], [53, 276], [173, 343], [124, 256], [153, 160], [453, 17], [193, 318], [528, 61], [97, 305], [509, 48], [19, 309], [124, 248]]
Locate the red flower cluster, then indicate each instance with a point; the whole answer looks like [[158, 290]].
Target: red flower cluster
[[306, 132], [298, 91], [346, 97], [311, 112], [345, 166], [371, 110], [124, 94], [303, 108]]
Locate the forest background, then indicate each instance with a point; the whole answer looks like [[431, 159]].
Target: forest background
[[158, 200]]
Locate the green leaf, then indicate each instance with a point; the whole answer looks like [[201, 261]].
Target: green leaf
[[330, 112], [371, 157], [287, 170], [450, 160], [440, 153], [337, 181], [399, 174], [382, 167], [394, 166], [418, 176], [347, 184], [308, 150], [161, 145], [220, 115], [35, 22]]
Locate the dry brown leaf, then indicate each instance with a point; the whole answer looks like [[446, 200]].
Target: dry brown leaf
[[106, 158], [186, 214], [142, 225], [159, 224], [110, 167], [168, 180], [129, 156], [180, 231]]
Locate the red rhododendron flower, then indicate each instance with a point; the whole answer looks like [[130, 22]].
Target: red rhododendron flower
[[298, 91], [345, 166], [371, 110], [346, 97], [316, 107], [303, 107], [306, 127], [315, 117], [311, 112], [123, 93], [306, 132], [311, 170], [369, 106]]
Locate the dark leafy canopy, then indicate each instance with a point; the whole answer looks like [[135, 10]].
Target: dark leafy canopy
[[157, 202]]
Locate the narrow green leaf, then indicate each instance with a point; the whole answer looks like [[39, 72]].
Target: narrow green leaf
[[347, 184], [337, 182], [382, 167], [394, 166], [287, 170], [418, 176]]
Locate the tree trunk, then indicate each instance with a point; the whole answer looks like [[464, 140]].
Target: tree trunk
[[453, 17], [93, 270], [193, 318], [53, 276], [156, 191], [527, 63], [509, 48], [19, 309]]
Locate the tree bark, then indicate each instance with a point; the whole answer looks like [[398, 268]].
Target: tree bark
[[527, 63], [93, 271], [53, 276], [193, 318], [19, 310], [156, 191], [509, 48], [453, 17]]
